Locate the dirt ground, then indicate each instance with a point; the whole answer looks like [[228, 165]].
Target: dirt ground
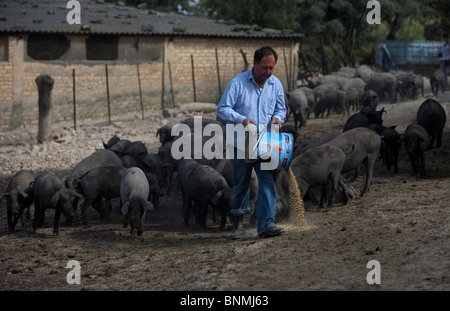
[[403, 223]]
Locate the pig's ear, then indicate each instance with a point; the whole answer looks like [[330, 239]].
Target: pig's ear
[[423, 138], [217, 197], [125, 208], [348, 149]]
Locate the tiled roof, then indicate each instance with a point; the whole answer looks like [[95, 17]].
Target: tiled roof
[[99, 17]]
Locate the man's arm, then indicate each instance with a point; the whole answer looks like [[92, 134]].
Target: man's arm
[[225, 108], [279, 114]]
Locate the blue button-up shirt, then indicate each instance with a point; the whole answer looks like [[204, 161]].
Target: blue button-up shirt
[[244, 99], [445, 50]]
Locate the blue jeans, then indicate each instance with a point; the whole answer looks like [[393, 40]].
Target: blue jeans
[[445, 71], [267, 196]]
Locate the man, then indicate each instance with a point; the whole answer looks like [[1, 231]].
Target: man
[[444, 59], [254, 97]]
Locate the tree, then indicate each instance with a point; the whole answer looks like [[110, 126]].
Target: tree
[[395, 13], [336, 31], [264, 13], [438, 21], [338, 35], [177, 6], [333, 29]]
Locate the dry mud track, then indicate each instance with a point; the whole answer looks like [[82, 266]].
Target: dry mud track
[[402, 222]]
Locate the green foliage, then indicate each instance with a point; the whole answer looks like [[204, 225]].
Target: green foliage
[[340, 26], [336, 31], [264, 13], [438, 22], [411, 30], [161, 5]]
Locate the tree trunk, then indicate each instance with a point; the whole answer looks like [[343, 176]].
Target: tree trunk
[[45, 86], [323, 60], [246, 64], [395, 26]]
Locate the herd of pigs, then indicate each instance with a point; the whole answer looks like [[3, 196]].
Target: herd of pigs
[[125, 170]]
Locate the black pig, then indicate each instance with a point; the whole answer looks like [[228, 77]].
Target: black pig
[[50, 192], [432, 117], [19, 196], [416, 139], [100, 182], [205, 186]]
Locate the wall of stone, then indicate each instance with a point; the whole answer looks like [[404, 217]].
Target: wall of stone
[[19, 94], [228, 62], [91, 91], [6, 84]]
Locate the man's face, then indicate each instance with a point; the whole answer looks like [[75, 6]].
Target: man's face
[[263, 70], [445, 39]]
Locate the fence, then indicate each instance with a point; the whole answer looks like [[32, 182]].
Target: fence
[[419, 56]]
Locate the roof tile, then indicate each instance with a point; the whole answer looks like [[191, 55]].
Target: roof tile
[[98, 17]]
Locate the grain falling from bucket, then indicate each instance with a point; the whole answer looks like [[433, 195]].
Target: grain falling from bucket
[[296, 203]]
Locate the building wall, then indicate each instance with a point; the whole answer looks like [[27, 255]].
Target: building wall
[[181, 52], [19, 94], [6, 82]]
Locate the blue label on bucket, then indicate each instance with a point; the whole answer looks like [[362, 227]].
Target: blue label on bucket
[[278, 146]]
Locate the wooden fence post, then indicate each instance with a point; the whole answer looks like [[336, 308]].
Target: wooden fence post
[[107, 93], [140, 91], [287, 71], [171, 86], [74, 101], [163, 80], [193, 77], [218, 72], [45, 86]]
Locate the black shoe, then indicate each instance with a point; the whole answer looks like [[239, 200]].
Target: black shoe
[[238, 228], [274, 231]]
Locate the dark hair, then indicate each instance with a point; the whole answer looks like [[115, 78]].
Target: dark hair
[[264, 51], [445, 35]]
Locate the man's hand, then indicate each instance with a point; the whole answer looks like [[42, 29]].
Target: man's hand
[[275, 121], [247, 121]]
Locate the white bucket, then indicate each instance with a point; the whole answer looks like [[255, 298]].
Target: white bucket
[[270, 146]]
